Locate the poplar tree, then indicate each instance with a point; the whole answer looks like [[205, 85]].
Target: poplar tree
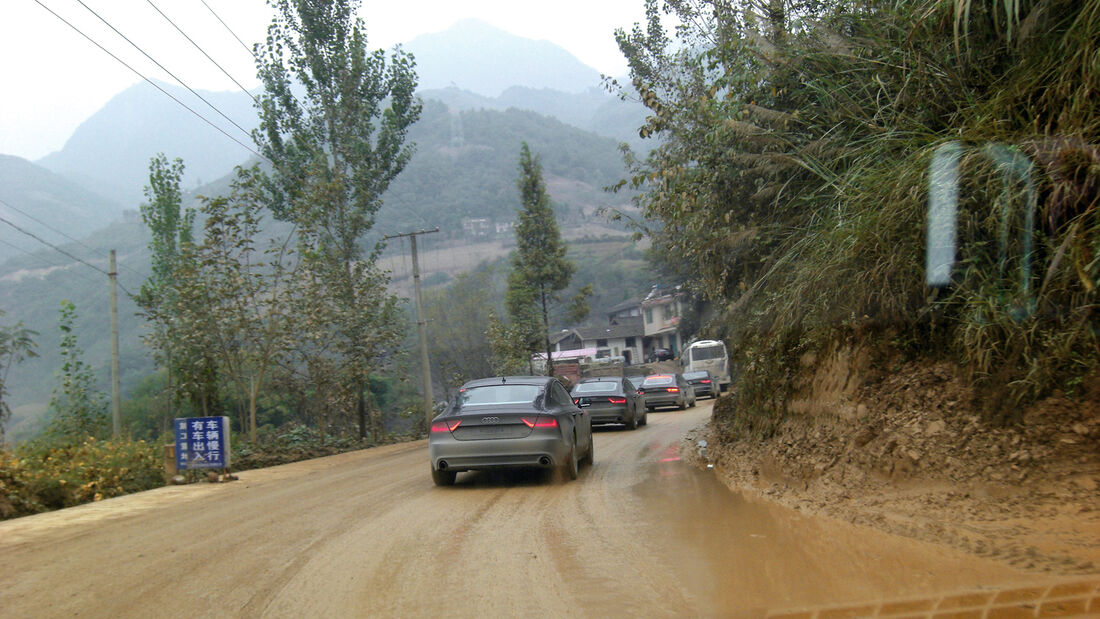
[[334, 121]]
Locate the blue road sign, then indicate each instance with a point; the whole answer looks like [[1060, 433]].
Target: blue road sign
[[201, 442]]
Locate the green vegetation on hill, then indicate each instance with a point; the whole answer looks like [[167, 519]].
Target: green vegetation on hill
[[465, 166], [793, 186]]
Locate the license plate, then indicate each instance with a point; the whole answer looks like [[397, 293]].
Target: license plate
[[491, 430]]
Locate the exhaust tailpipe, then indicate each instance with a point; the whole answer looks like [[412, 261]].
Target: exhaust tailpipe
[[544, 461], [443, 465]]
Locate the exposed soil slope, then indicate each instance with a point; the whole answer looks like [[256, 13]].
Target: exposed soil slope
[[901, 447]]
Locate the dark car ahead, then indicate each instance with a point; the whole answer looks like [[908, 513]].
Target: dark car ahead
[[667, 390], [610, 399], [703, 383], [661, 354], [509, 422]]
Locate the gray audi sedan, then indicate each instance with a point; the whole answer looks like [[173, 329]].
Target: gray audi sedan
[[510, 422], [667, 390], [610, 399]]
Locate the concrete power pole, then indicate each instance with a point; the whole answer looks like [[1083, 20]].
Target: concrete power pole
[[116, 403], [425, 368]]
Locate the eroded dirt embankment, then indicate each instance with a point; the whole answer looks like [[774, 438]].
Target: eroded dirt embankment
[[901, 447]]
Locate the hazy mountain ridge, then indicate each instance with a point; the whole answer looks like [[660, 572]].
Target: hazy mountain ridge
[[110, 151], [32, 192], [492, 60]]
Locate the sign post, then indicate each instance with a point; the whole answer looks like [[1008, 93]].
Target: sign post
[[201, 443]]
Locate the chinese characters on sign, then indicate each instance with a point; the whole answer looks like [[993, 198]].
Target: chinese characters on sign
[[202, 442]]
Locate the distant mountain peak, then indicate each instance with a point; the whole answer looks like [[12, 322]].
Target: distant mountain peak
[[477, 56]]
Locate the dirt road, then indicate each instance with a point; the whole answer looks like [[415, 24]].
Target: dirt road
[[640, 533]]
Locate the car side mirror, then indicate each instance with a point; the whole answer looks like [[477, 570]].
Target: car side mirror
[[584, 402]]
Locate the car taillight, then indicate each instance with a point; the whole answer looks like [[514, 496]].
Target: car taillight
[[539, 422], [576, 400], [705, 380], [673, 389], [617, 400], [445, 426], [640, 392]]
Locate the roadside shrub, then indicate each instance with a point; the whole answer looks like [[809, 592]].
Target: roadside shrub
[[40, 476]]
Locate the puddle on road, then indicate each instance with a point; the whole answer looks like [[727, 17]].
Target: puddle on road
[[743, 556]]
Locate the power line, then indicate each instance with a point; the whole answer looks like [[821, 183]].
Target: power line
[[198, 47], [246, 47], [62, 251], [48, 226], [44, 262], [154, 84], [163, 68], [37, 258]]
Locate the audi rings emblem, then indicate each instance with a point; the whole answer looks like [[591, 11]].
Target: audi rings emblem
[[490, 419]]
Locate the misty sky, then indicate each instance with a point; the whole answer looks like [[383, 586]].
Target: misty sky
[[53, 78]]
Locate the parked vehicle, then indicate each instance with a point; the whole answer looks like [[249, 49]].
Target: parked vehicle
[[610, 399], [710, 355], [703, 383], [661, 354], [510, 422], [667, 390]]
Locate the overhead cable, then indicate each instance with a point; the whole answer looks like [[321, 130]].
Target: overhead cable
[[246, 47], [51, 228], [203, 51], [154, 84], [62, 251], [165, 69]]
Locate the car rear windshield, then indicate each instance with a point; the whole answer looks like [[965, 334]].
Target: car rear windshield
[[490, 395], [659, 380], [596, 387], [702, 353], [694, 375]]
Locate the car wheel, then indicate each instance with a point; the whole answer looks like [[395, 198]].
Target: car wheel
[[571, 466], [443, 478], [590, 457], [684, 404], [633, 423], [644, 420]]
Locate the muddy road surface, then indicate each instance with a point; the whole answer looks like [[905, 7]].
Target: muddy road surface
[[640, 533]]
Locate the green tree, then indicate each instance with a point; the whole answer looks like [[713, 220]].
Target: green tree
[[171, 228], [333, 122], [243, 293], [540, 269], [16, 344], [78, 410]]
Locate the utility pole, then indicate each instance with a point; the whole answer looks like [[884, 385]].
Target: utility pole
[[425, 369], [116, 404]]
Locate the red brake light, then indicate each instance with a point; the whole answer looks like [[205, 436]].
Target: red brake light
[[617, 400], [641, 392], [445, 426], [576, 400], [673, 389], [705, 380], [540, 422]]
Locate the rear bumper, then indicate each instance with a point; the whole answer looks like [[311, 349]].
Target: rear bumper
[[663, 399], [708, 390], [610, 414], [474, 455]]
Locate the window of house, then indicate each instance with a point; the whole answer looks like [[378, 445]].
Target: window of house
[[649, 314], [630, 342], [601, 343]]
